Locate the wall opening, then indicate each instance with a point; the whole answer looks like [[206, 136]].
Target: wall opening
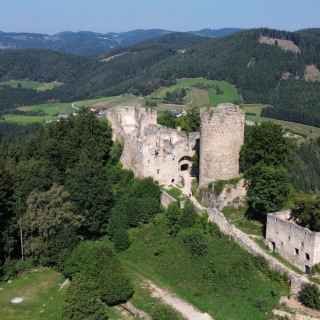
[[172, 180], [307, 256], [273, 244], [184, 167], [296, 250], [307, 270]]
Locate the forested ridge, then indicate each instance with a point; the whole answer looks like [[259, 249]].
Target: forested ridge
[[255, 68]]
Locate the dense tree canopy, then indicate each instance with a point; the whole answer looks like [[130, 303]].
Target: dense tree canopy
[[265, 157]]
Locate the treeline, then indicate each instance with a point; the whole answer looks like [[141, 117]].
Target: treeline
[[64, 185], [305, 173], [13, 133], [144, 67], [296, 101]]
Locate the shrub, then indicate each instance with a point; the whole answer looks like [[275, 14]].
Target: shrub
[[11, 268], [316, 268], [189, 215], [310, 296], [196, 242], [164, 312], [121, 240]]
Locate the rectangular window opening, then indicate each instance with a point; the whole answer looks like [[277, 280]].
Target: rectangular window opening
[[296, 251], [307, 256]]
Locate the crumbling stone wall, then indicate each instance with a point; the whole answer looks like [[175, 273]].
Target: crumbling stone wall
[[244, 240], [129, 120], [160, 152], [222, 135], [296, 244], [231, 195]]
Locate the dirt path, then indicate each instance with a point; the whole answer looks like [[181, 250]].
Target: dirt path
[[186, 309]]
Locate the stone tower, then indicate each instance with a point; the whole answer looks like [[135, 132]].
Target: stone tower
[[222, 134]]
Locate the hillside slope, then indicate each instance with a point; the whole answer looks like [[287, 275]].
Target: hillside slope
[[88, 43], [260, 62]]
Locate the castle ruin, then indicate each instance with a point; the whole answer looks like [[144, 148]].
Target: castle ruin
[[166, 154], [222, 135], [294, 243]]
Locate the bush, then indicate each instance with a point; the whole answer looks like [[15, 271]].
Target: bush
[[11, 268], [164, 312], [82, 301], [310, 296], [189, 215], [121, 240], [196, 242]]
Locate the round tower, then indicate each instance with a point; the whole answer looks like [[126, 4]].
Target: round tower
[[221, 138]]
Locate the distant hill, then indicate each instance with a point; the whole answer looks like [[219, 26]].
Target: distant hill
[[267, 66], [91, 43]]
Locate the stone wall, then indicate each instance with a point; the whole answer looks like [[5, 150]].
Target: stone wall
[[159, 152], [166, 199], [129, 120], [296, 244], [231, 195], [222, 135], [244, 240]]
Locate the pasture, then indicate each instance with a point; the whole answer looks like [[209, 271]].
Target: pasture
[[29, 84], [199, 97], [295, 128], [52, 109]]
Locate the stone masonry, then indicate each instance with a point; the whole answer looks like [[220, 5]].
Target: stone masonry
[[298, 245], [222, 135], [166, 154]]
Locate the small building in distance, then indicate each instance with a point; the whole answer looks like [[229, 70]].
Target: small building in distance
[[296, 244]]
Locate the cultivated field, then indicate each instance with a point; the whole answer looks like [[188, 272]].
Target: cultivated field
[[200, 97]]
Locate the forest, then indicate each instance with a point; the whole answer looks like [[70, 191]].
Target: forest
[[255, 68], [63, 189]]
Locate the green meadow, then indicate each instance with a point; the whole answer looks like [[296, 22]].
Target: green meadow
[[29, 84], [39, 291], [199, 97], [222, 282], [296, 128]]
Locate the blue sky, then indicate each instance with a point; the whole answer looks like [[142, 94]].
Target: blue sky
[[53, 16]]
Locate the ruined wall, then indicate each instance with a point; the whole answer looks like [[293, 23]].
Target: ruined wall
[[129, 120], [222, 134], [231, 195], [166, 199], [296, 244], [296, 281], [159, 152], [165, 151]]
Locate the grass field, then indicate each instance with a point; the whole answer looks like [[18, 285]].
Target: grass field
[[52, 109], [199, 97], [237, 218], [312, 132], [32, 84], [223, 282], [40, 291]]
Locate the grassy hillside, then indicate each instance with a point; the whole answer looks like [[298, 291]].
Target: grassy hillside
[[222, 282], [200, 97], [293, 127], [256, 69], [29, 84]]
